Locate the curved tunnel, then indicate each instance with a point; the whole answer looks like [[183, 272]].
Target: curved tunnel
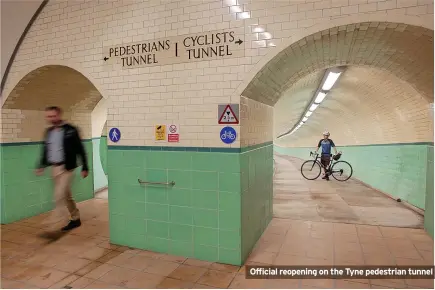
[[378, 112]]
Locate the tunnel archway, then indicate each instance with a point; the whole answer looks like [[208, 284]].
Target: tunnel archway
[[22, 120], [394, 62]]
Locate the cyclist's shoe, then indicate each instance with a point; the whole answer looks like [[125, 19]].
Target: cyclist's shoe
[[327, 177], [324, 177]]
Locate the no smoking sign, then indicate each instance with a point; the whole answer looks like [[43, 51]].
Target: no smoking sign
[[173, 134]]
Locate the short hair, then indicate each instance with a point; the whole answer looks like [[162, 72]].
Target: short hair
[[54, 108]]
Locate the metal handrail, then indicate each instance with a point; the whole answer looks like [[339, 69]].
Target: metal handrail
[[172, 183]]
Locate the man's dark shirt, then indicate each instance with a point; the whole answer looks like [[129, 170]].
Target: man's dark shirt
[[326, 145], [72, 147]]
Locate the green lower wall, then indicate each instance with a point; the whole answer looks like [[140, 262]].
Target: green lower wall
[[257, 195], [99, 146], [208, 214], [22, 193], [402, 170]]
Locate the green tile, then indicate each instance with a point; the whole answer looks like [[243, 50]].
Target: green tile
[[134, 158], [157, 229], [204, 199], [206, 253], [181, 215], [205, 218], [229, 220], [157, 212], [156, 194], [232, 257], [182, 179], [133, 209], [155, 159], [205, 180], [229, 239], [205, 161], [116, 223], [229, 182], [229, 163], [135, 225], [179, 248], [177, 196], [158, 244], [206, 236], [229, 201], [179, 160], [180, 232], [134, 193], [137, 241], [156, 175]]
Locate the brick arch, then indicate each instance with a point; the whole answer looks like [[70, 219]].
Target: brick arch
[[44, 86], [263, 67]]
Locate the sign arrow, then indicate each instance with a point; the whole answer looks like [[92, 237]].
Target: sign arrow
[[106, 58], [239, 41]]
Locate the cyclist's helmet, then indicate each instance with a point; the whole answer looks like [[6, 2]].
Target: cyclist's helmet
[[326, 133], [337, 156]]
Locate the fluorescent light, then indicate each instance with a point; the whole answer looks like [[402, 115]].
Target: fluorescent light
[[308, 114], [313, 107], [258, 29], [304, 119], [301, 123], [320, 97], [330, 80], [244, 15]]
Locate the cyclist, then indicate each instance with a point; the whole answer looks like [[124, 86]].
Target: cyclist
[[325, 158]]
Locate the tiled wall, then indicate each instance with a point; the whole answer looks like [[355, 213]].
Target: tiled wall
[[199, 217], [402, 170], [22, 193], [257, 193], [99, 149], [429, 210]]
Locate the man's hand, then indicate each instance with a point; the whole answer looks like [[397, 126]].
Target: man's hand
[[39, 171], [84, 174]]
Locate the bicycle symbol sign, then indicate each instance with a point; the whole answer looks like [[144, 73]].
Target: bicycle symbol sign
[[228, 135]]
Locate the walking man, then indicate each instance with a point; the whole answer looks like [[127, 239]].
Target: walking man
[[62, 145]]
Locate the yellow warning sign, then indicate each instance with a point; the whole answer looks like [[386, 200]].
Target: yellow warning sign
[[160, 132]]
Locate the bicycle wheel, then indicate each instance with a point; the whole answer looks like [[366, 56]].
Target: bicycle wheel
[[311, 169], [341, 170]]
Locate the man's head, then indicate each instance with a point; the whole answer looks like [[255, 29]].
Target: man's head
[[53, 115], [326, 135]]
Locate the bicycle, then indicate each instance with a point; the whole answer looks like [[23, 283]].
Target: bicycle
[[340, 170]]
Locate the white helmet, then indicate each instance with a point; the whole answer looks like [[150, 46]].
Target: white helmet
[[326, 133]]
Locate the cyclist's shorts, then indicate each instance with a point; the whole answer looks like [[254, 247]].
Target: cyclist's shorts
[[325, 159]]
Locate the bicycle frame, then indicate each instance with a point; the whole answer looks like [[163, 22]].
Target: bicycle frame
[[331, 162]]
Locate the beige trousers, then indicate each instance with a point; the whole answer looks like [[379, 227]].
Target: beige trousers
[[62, 179]]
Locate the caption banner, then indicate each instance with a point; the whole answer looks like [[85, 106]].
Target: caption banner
[[340, 272]]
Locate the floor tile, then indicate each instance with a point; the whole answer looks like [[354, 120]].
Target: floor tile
[[119, 276], [170, 283], [187, 273], [144, 281], [161, 267], [217, 279]]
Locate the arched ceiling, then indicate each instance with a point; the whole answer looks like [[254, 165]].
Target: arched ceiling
[[53, 86], [403, 50], [367, 106]]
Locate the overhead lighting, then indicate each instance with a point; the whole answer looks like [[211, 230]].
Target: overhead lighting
[[258, 29], [330, 80], [244, 15], [320, 97], [308, 114], [304, 119], [313, 107]]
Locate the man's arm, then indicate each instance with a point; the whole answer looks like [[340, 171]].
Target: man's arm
[[318, 146], [43, 160], [333, 146], [81, 151]]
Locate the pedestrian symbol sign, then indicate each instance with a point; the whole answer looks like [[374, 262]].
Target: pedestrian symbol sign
[[228, 114], [114, 135], [160, 132]]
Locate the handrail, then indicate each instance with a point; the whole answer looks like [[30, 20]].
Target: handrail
[[172, 183]]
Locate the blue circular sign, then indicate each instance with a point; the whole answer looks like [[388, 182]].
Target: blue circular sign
[[228, 135], [114, 135]]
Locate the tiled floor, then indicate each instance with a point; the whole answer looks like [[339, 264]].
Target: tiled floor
[[84, 258], [103, 194], [334, 201]]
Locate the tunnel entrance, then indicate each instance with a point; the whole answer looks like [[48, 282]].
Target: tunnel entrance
[[377, 114], [25, 195]]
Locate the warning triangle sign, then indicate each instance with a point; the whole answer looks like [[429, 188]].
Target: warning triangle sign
[[228, 116]]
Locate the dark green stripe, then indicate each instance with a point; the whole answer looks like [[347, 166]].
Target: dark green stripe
[[177, 149], [366, 145], [253, 147]]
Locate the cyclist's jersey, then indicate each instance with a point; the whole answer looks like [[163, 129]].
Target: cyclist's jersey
[[326, 145]]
